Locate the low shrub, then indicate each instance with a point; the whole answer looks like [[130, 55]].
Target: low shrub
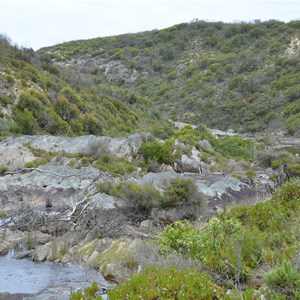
[[140, 199], [234, 147], [215, 246], [115, 168], [284, 280], [171, 284], [88, 293], [180, 193], [3, 169], [294, 170], [161, 152]]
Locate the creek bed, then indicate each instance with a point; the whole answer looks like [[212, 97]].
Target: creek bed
[[25, 279]]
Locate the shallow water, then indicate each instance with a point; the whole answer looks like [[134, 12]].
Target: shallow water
[[42, 280]]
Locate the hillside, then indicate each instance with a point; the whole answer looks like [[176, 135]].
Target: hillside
[[106, 161], [36, 97], [241, 76]]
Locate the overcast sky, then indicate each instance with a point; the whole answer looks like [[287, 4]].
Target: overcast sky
[[39, 23]]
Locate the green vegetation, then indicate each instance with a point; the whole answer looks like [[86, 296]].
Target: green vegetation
[[181, 194], [230, 247], [46, 99], [215, 73], [88, 293], [158, 151], [202, 72], [157, 283], [140, 199], [284, 281]]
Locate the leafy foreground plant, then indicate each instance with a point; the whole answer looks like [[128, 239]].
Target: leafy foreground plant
[[157, 283], [234, 244], [284, 280], [89, 293], [230, 247]]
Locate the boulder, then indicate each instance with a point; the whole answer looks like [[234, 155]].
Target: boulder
[[148, 224], [205, 146], [4, 247], [158, 180], [42, 253], [191, 164]]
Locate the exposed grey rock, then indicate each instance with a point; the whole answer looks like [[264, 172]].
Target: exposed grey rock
[[181, 125], [58, 185], [42, 253], [158, 180], [14, 151], [218, 132], [205, 146], [228, 182], [216, 187], [166, 168], [191, 164], [4, 247], [148, 224], [104, 201], [115, 71], [14, 156], [125, 147]]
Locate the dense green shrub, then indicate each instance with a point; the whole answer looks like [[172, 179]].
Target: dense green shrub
[[139, 199], [235, 147], [243, 237], [65, 109], [215, 246], [115, 167], [156, 283], [182, 192], [161, 152], [284, 280], [92, 124], [289, 194], [193, 136], [25, 122]]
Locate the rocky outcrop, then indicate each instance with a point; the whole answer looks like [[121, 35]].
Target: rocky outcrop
[[49, 186], [60, 215], [205, 146], [15, 151], [218, 188]]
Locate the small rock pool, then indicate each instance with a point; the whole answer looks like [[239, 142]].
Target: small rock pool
[[25, 279]]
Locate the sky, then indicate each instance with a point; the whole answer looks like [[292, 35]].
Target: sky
[[39, 23]]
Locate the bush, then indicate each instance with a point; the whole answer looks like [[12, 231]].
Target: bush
[[171, 284], [140, 199], [289, 193], [182, 192], [89, 293], [234, 147], [114, 167], [284, 279], [294, 170], [214, 246], [161, 152], [192, 136], [25, 121], [3, 169]]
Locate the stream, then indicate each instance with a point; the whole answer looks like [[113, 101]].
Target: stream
[[25, 279]]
